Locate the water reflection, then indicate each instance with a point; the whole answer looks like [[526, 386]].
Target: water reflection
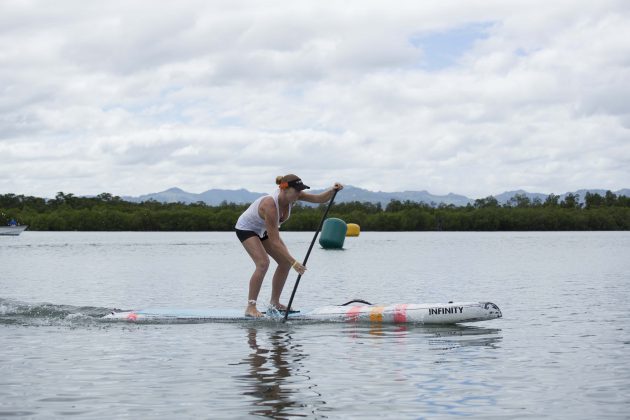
[[451, 336], [433, 370], [455, 336], [279, 384], [277, 379]]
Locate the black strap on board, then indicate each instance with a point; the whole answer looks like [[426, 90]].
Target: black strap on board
[[356, 301]]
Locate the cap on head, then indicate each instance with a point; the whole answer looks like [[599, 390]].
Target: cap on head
[[292, 181]]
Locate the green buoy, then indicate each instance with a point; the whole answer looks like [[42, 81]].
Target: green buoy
[[333, 233]]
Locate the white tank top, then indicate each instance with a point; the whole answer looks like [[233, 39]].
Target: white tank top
[[251, 220]]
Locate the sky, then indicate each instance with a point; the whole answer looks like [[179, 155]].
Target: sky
[[470, 97]]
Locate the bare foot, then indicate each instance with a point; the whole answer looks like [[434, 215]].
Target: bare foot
[[253, 312], [279, 306]]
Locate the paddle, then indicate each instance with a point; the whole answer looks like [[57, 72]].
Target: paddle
[[310, 248]]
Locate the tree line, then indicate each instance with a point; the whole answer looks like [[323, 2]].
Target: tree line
[[106, 212]]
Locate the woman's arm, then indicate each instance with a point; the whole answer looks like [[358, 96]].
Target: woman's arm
[[270, 214], [320, 198]]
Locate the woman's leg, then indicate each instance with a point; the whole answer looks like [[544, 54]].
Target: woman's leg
[[257, 252], [279, 277]]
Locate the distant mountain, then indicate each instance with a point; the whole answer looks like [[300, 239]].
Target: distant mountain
[[503, 198], [241, 196], [351, 193], [582, 193], [212, 197], [215, 197]]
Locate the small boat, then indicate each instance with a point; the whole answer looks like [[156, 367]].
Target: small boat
[[12, 230], [412, 313]]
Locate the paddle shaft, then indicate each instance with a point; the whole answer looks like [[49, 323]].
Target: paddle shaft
[[308, 253]]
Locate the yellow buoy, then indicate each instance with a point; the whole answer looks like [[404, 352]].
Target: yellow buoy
[[353, 229]]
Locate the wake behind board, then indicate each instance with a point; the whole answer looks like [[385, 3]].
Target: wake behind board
[[407, 313]]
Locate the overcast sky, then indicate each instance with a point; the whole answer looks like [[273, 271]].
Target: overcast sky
[[471, 97]]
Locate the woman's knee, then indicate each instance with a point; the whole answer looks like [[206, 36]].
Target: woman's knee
[[262, 264]]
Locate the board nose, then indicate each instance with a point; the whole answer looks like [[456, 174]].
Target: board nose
[[493, 309]]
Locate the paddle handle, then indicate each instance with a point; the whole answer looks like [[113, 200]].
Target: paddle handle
[[308, 253]]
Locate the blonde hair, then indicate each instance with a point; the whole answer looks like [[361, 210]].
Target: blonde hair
[[286, 178], [283, 181]]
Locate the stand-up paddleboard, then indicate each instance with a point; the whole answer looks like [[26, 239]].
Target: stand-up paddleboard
[[424, 313]]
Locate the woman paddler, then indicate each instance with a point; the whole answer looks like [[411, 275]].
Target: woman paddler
[[258, 229]]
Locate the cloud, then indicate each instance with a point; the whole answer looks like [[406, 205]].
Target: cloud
[[475, 99], [443, 49]]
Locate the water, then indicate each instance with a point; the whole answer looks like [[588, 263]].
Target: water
[[562, 349]]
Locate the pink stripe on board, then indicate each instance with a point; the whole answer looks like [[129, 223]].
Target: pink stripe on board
[[353, 313], [400, 314]]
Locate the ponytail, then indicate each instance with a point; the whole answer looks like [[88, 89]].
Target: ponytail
[[283, 181]]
